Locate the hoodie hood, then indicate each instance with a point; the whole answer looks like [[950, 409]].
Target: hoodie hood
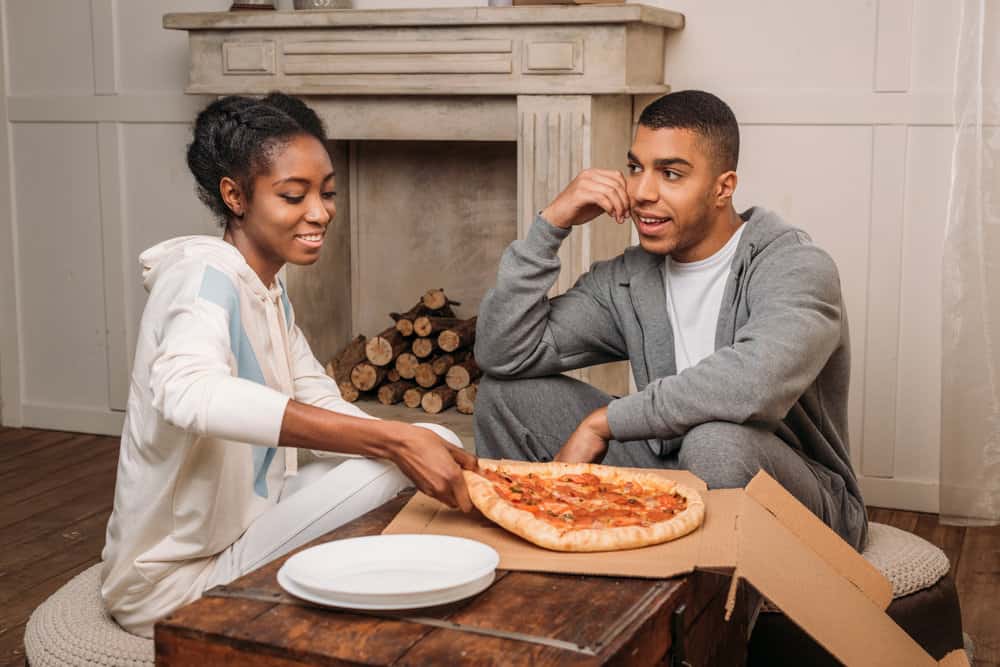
[[761, 228], [158, 259]]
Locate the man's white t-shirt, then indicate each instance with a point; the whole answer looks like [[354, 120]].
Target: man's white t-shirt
[[694, 297]]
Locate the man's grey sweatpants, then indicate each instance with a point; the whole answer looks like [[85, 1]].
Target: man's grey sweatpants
[[531, 419]]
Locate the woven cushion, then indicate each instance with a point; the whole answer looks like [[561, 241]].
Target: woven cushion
[[72, 629], [910, 563]]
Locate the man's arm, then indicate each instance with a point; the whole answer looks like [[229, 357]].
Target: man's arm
[[520, 331], [794, 327]]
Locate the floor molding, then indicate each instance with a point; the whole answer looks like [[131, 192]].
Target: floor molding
[[80, 420], [902, 494]]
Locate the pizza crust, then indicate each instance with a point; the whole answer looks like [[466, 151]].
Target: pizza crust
[[537, 531]]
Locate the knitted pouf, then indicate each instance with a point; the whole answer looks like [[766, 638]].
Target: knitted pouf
[[73, 629], [909, 562]]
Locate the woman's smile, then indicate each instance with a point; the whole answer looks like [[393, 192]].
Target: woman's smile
[[312, 240]]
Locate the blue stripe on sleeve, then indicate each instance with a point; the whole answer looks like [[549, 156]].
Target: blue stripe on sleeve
[[217, 288]]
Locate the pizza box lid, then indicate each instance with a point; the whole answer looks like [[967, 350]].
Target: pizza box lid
[[760, 534]]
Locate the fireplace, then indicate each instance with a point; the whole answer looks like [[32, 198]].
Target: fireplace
[[452, 127]]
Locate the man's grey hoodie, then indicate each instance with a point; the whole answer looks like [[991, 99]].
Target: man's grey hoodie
[[782, 352]]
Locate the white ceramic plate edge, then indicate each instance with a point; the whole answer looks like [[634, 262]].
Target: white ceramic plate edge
[[294, 573], [450, 595]]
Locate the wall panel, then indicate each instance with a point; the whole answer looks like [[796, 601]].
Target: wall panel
[[773, 45], [61, 264], [818, 178], [154, 59], [918, 408], [50, 48], [159, 203]]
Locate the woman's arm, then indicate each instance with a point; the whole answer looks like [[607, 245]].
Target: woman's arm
[[435, 466], [193, 389]]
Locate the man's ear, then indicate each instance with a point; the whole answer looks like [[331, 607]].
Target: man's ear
[[232, 196], [725, 186]]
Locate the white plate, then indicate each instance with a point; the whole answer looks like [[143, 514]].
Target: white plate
[[424, 600], [391, 569]]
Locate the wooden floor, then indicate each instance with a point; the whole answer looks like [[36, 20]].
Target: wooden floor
[[56, 492]]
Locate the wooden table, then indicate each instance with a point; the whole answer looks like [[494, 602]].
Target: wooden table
[[524, 618]]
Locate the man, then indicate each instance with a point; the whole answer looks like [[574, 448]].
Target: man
[[733, 323]]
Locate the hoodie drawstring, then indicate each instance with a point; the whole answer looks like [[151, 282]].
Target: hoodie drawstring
[[278, 332]]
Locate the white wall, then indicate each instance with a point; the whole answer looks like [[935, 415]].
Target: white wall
[[92, 173], [845, 108]]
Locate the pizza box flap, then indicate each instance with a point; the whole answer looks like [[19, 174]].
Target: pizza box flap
[[957, 658], [819, 537], [817, 597], [425, 515], [717, 550]]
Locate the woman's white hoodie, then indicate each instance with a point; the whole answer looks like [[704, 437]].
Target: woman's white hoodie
[[217, 358]]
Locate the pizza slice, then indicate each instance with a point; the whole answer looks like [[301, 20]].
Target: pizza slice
[[583, 506]]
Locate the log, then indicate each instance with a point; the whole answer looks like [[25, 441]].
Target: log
[[406, 365], [349, 392], [435, 299], [426, 325], [462, 375], [426, 377], [461, 335], [403, 325], [392, 393], [366, 376], [353, 350], [465, 400], [342, 363], [443, 362], [411, 398], [383, 349], [423, 347], [404, 321], [438, 399], [393, 375]]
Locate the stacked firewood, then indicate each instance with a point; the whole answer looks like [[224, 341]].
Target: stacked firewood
[[424, 360]]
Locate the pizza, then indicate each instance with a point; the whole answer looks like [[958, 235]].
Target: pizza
[[584, 506]]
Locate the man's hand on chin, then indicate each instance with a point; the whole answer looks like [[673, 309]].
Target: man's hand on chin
[[589, 442]]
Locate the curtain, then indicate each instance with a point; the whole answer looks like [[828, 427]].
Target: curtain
[[970, 371]]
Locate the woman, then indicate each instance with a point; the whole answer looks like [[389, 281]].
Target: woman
[[224, 386]]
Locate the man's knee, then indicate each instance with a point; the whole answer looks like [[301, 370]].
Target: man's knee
[[722, 454], [497, 417], [493, 398]]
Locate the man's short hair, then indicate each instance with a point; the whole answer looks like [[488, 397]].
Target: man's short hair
[[703, 113]]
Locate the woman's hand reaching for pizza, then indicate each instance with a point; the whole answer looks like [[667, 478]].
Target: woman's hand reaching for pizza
[[589, 442], [434, 465]]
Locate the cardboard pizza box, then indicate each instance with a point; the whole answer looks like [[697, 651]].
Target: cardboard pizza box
[[760, 534]]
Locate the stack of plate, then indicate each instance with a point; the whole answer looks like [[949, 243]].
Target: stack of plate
[[390, 571]]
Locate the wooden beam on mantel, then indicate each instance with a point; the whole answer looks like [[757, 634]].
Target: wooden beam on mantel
[[481, 16]]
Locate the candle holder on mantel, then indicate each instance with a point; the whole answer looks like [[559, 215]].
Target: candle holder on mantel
[[242, 5], [322, 4]]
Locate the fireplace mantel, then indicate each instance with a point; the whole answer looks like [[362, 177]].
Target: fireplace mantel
[[560, 82], [590, 50]]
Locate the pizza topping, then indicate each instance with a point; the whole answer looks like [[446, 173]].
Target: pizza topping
[[575, 502]]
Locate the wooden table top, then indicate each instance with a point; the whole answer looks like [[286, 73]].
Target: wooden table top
[[523, 618]]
